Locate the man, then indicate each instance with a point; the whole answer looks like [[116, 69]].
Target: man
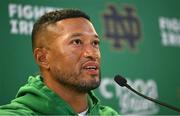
[[66, 48]]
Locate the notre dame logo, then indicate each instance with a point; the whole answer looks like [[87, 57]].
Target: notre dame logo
[[121, 27]]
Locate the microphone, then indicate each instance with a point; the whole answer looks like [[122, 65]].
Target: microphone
[[123, 82]]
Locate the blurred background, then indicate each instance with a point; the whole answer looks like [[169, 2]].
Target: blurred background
[[140, 40]]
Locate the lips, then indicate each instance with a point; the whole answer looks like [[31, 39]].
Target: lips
[[91, 67]]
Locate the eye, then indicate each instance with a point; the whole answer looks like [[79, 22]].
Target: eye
[[96, 43], [76, 42]]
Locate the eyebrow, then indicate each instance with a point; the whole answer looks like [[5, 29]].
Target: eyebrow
[[80, 34]]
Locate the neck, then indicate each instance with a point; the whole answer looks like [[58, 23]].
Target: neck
[[72, 97]]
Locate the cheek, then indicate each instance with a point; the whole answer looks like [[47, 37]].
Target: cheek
[[65, 59], [66, 62], [72, 54]]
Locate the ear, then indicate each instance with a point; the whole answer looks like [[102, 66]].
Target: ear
[[40, 55]]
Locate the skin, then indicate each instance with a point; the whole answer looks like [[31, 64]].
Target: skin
[[63, 60]]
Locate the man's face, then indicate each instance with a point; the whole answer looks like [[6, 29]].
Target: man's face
[[74, 55]]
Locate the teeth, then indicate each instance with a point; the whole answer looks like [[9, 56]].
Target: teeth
[[91, 67]]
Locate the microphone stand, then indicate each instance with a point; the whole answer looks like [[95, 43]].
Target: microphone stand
[[153, 100]]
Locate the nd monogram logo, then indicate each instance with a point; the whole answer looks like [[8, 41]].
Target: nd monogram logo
[[124, 26]]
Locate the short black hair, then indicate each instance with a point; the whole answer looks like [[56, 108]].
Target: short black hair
[[54, 16]]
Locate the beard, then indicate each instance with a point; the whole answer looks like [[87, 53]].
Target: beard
[[76, 82]]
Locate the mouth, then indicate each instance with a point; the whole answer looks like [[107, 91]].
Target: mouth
[[91, 67]]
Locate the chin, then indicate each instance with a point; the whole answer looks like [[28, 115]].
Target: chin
[[89, 85], [95, 82]]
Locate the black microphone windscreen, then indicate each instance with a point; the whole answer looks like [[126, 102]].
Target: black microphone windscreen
[[123, 82], [120, 80]]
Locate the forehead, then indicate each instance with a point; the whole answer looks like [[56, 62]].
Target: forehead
[[75, 25]]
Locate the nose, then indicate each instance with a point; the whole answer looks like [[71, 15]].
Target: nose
[[91, 53]]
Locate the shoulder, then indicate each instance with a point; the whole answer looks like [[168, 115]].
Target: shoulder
[[106, 110], [15, 109]]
